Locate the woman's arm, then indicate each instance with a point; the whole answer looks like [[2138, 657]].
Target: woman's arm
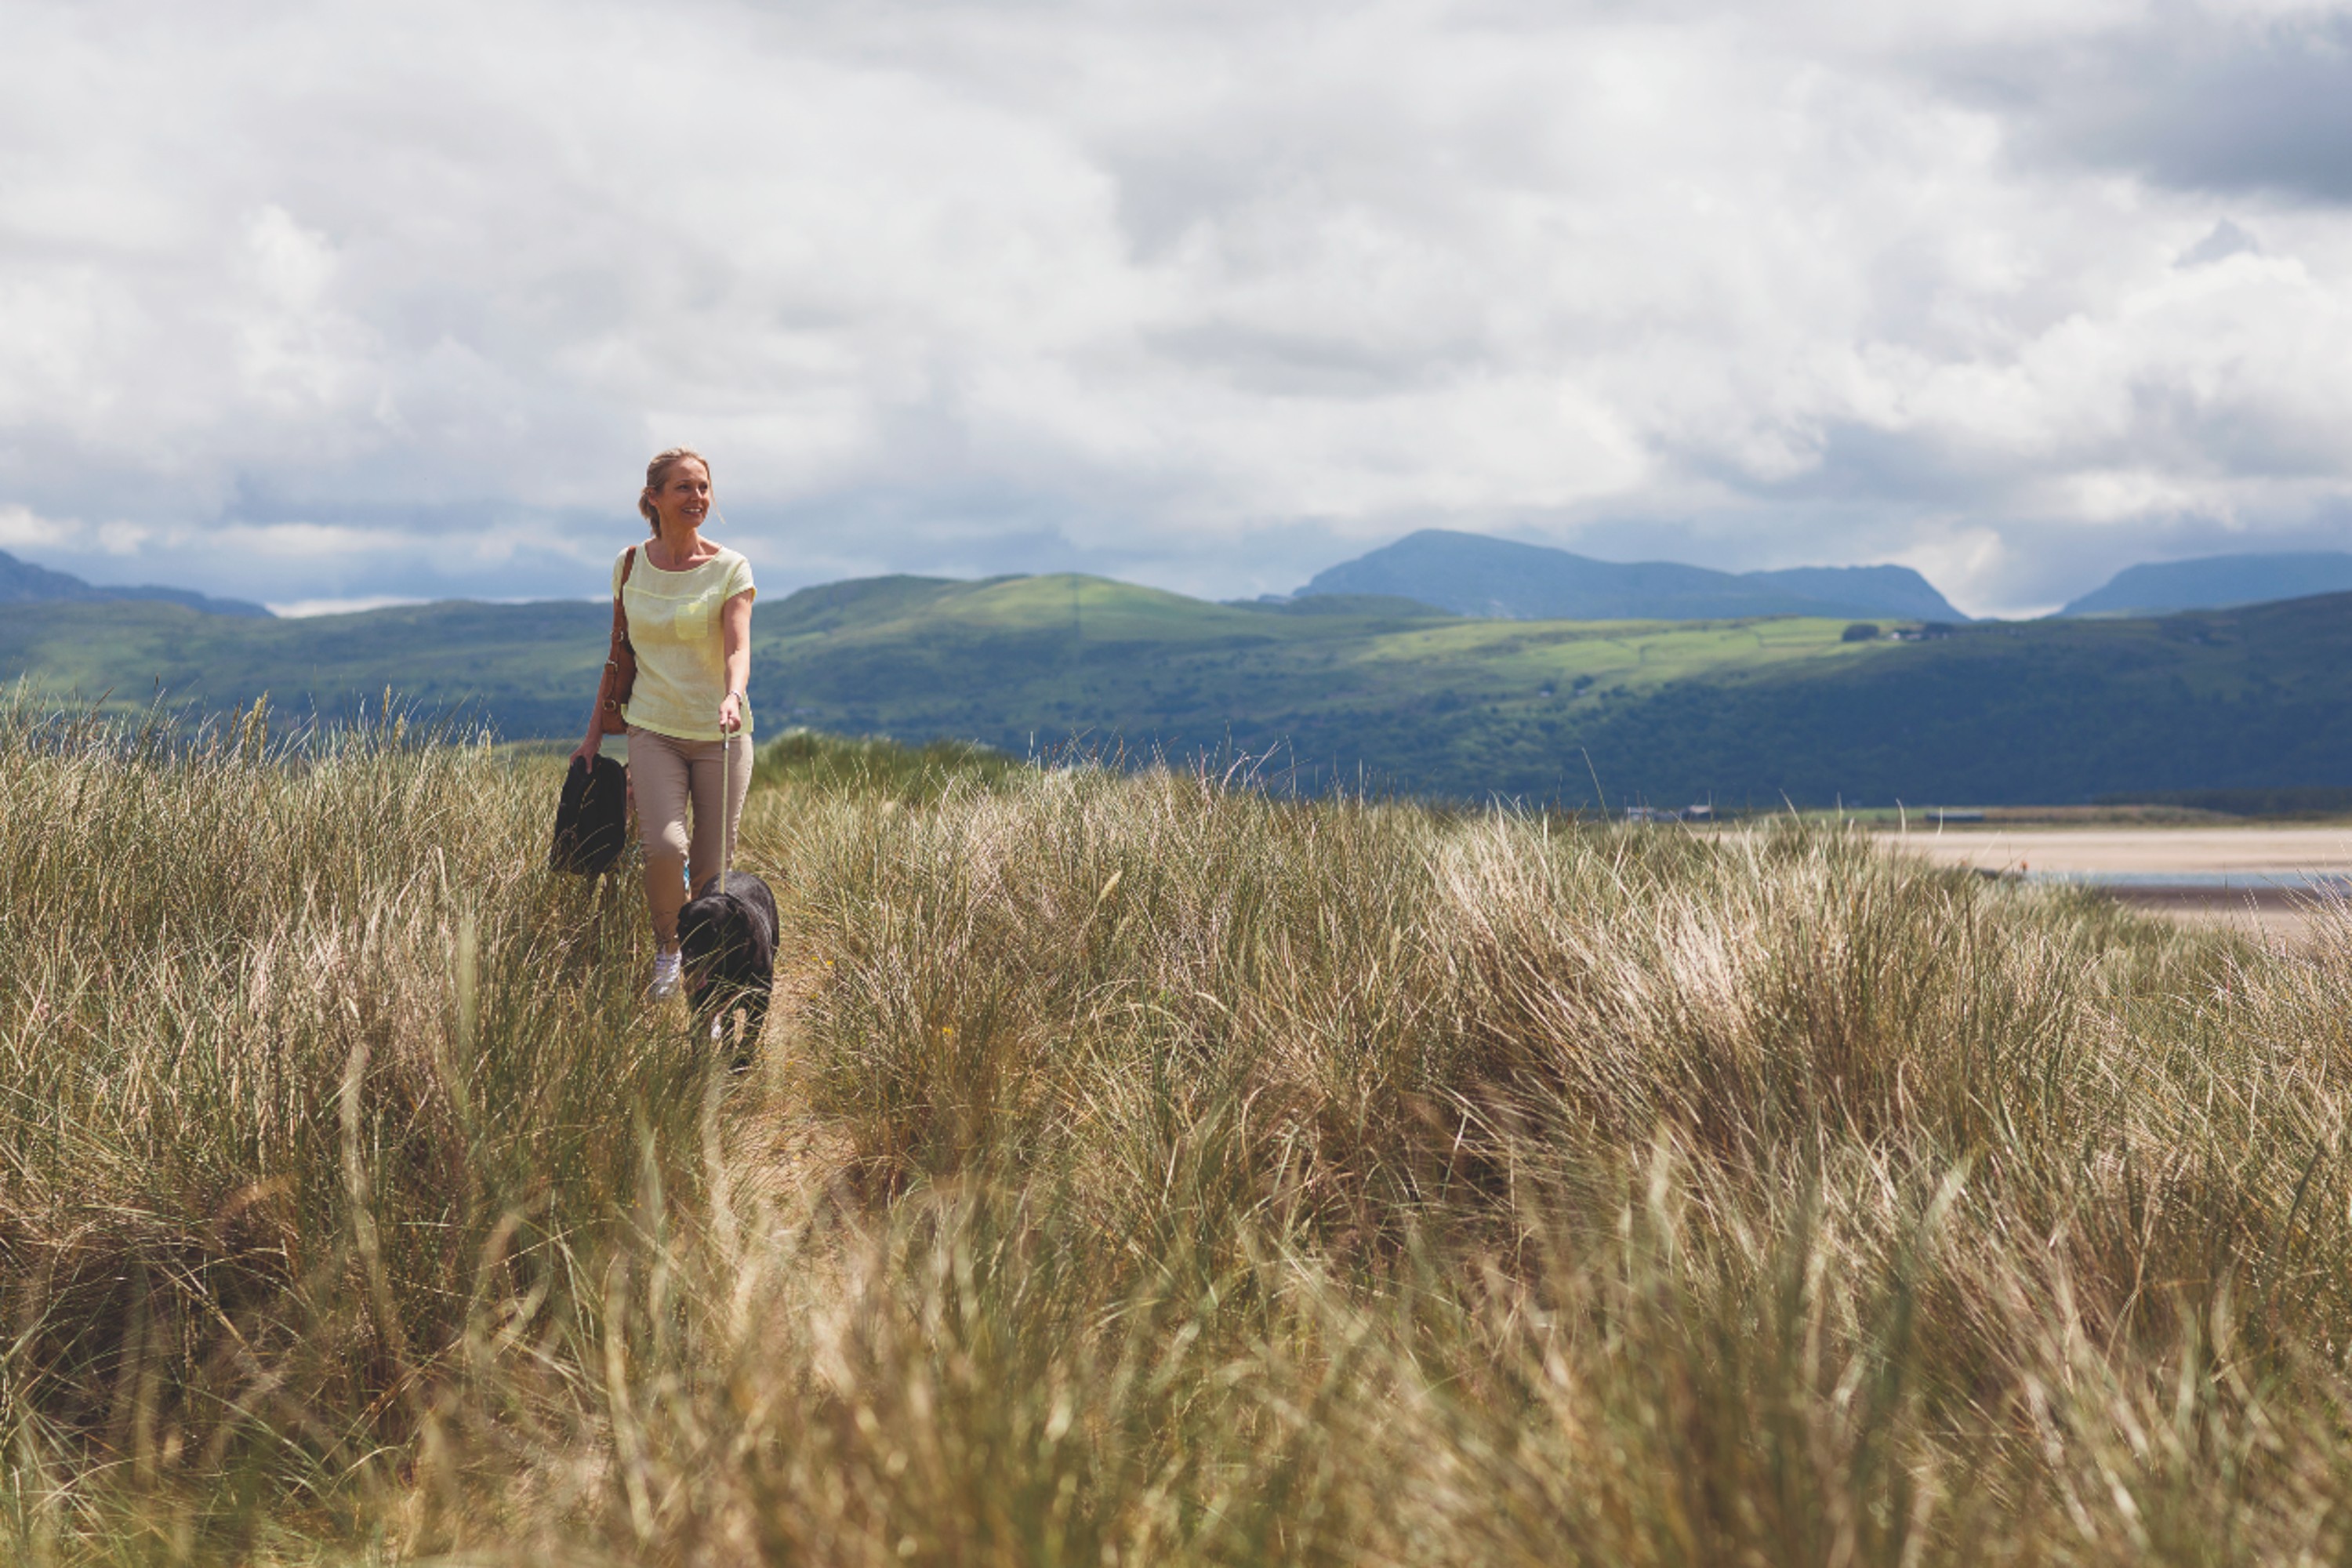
[[735, 631]]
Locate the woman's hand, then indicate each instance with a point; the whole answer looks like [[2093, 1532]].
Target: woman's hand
[[585, 752], [730, 713]]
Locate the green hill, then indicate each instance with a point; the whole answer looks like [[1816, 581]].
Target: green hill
[[530, 668], [1739, 711], [1460, 706]]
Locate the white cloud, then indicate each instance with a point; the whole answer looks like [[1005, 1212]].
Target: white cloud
[[302, 609], [323, 303], [21, 529], [280, 541]]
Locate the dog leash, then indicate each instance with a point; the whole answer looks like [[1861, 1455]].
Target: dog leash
[[726, 804]]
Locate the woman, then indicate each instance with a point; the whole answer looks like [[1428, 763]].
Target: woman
[[688, 608]]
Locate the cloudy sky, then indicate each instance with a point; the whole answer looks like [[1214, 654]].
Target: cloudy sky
[[322, 304]]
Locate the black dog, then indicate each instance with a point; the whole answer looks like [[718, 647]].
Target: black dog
[[728, 942]]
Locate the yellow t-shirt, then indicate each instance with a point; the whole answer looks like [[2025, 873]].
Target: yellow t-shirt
[[681, 647]]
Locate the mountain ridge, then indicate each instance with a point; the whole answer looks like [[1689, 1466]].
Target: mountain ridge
[[23, 582], [2216, 583], [1451, 572], [1478, 575]]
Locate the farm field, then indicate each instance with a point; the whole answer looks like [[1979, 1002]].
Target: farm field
[[1134, 1170]]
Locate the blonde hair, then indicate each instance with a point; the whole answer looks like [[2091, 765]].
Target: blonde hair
[[658, 475]]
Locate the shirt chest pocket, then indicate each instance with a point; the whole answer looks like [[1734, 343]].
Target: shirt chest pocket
[[690, 620]]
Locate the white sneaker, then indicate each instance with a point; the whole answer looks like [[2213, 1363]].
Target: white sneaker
[[664, 981]]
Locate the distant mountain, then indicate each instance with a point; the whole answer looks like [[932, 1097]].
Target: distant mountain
[[2216, 583], [1475, 575], [1895, 591], [22, 582]]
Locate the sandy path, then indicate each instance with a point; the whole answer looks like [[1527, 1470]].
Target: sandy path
[[783, 1155]]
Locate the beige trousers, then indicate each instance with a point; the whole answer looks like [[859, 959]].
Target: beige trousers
[[669, 776]]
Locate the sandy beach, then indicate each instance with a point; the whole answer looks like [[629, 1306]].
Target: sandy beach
[[2264, 865]]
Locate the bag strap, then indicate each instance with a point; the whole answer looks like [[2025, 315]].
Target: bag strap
[[620, 614], [608, 704]]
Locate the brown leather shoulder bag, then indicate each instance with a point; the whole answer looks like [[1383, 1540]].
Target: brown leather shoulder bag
[[619, 659]]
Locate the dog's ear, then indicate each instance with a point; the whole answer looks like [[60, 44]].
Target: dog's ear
[[760, 899], [701, 927], [754, 953]]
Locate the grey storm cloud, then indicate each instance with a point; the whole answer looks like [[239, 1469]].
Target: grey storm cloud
[[340, 303], [2244, 102]]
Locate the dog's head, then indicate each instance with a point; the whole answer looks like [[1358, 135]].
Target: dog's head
[[723, 940]]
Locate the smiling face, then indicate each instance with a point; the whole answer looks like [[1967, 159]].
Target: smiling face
[[684, 498]]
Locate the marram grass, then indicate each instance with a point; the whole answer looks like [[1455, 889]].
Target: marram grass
[[1136, 1171]]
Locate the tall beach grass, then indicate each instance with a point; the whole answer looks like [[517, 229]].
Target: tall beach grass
[[1135, 1171]]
